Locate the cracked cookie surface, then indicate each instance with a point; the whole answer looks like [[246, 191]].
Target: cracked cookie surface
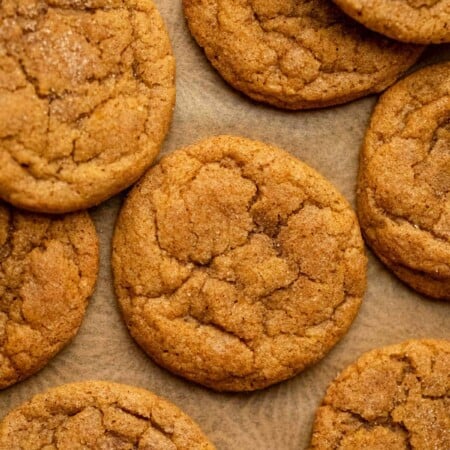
[[396, 397], [100, 415], [236, 265], [295, 54], [86, 98], [48, 268], [404, 180], [418, 21]]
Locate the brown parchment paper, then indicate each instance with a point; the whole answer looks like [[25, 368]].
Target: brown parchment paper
[[278, 418]]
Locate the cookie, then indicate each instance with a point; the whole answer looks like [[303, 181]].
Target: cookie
[[404, 181], [394, 398], [86, 98], [295, 55], [48, 268], [236, 265], [417, 21], [100, 415]]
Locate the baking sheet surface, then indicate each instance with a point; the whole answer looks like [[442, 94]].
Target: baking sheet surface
[[278, 418]]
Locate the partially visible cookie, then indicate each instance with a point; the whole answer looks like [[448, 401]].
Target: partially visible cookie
[[236, 265], [86, 97], [295, 55], [395, 398], [404, 180], [417, 21], [48, 268], [100, 415]]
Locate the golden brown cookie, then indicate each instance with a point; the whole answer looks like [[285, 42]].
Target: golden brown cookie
[[404, 180], [100, 415], [236, 265], [418, 21], [393, 398], [295, 54], [48, 268], [86, 98]]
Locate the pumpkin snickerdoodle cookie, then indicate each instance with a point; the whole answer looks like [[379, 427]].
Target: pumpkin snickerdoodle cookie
[[100, 415], [86, 98], [396, 397], [419, 21], [236, 265], [295, 54], [48, 268], [404, 180]]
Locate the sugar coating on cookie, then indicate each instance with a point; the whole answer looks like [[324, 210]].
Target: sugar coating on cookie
[[295, 54], [395, 398], [48, 268], [404, 180], [236, 265], [86, 97], [417, 21], [100, 415]]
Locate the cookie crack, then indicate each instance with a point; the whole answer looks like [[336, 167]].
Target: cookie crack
[[385, 422], [151, 421], [332, 318], [413, 4], [33, 82], [398, 218], [248, 343], [76, 257]]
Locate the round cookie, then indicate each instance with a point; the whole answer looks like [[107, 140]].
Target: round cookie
[[394, 398], [100, 415], [86, 98], [236, 265], [48, 268], [404, 181], [417, 21], [295, 55]]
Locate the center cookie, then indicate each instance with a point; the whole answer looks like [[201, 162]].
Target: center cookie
[[86, 97], [295, 54], [236, 265]]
